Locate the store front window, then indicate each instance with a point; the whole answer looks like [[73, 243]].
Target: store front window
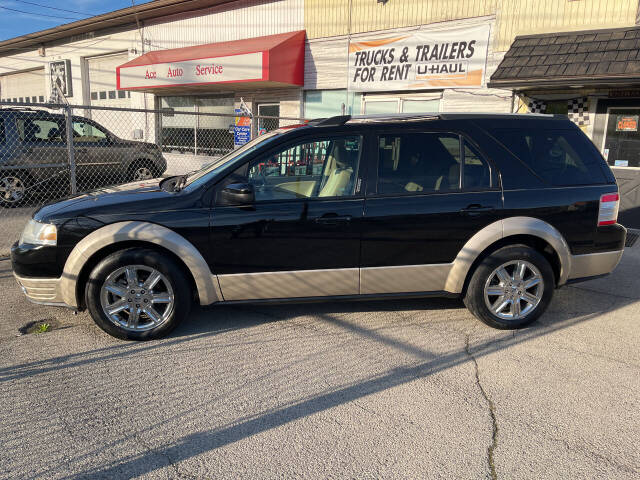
[[327, 103], [194, 125], [557, 107], [379, 104], [621, 146]]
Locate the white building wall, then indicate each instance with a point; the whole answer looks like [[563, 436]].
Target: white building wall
[[74, 50], [236, 21], [77, 50]]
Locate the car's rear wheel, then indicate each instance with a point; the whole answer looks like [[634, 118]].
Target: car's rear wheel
[[138, 294], [13, 188], [142, 170], [510, 288]]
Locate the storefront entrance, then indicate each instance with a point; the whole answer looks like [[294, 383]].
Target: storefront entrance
[[621, 145], [208, 135], [268, 110], [616, 132]]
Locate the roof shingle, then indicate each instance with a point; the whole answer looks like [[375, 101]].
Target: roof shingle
[[595, 56]]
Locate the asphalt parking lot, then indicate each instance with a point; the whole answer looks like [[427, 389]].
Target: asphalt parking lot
[[416, 389]]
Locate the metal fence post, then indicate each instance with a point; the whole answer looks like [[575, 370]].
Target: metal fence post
[[71, 150]]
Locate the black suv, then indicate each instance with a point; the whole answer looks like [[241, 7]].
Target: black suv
[[498, 209], [34, 154]]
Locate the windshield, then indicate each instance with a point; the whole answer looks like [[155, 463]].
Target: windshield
[[209, 170]]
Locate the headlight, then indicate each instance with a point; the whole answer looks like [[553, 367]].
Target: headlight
[[36, 233]]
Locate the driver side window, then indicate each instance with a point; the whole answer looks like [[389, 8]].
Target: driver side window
[[321, 168]]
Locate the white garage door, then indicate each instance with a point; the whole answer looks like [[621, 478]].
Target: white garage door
[[102, 80], [27, 86]]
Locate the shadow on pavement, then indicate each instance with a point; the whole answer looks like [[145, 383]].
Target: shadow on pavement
[[212, 321]]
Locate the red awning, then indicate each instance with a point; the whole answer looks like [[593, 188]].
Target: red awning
[[271, 61]]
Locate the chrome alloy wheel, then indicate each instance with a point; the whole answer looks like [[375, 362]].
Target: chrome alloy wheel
[[12, 189], [137, 298], [513, 290], [142, 173]]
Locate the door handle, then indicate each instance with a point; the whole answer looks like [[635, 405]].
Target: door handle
[[476, 209], [333, 219]]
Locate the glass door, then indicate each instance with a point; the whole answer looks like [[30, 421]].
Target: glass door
[[267, 124], [621, 145]]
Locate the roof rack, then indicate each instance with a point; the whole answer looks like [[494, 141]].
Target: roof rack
[[385, 117], [416, 117], [330, 121], [454, 115]]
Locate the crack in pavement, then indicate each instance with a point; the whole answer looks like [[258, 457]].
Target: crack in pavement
[[172, 464], [492, 411]]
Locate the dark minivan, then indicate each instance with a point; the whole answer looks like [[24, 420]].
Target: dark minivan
[[497, 209]]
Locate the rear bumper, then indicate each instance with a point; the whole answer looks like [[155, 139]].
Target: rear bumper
[[594, 264], [44, 291]]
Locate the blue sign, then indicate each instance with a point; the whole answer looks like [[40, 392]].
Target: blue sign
[[241, 129]]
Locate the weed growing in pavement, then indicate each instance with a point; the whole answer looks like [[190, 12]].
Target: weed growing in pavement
[[42, 328], [39, 326]]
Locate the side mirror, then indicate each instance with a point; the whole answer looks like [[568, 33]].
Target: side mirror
[[238, 193]]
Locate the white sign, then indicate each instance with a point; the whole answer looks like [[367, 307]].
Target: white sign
[[452, 58], [233, 68]]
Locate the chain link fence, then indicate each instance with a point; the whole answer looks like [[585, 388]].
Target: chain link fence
[[51, 151]]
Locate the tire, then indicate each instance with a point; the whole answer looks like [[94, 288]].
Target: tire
[[161, 307], [14, 188], [142, 170], [527, 296]]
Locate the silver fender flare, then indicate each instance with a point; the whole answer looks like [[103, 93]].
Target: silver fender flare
[[501, 229], [206, 283]]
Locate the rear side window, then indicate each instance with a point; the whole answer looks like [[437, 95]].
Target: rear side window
[[560, 157], [477, 175], [418, 163], [428, 162], [40, 130]]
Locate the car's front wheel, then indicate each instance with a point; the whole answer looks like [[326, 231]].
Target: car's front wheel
[[511, 287], [138, 294]]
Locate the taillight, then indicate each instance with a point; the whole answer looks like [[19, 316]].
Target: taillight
[[608, 212]]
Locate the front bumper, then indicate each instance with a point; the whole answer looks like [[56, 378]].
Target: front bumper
[[44, 291]]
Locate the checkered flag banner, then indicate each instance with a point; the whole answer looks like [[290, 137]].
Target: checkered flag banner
[[579, 111], [537, 106]]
